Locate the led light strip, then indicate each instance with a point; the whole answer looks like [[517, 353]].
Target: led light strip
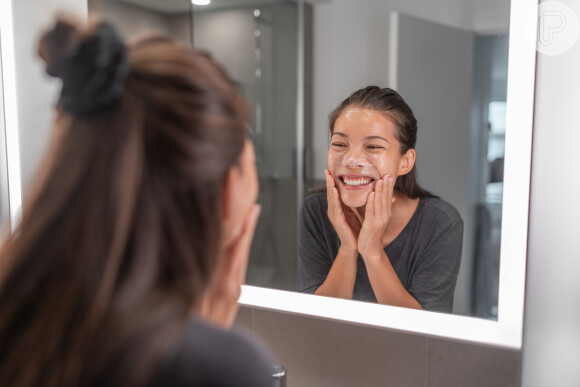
[[10, 111]]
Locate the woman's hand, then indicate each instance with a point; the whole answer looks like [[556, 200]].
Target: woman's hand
[[343, 219], [220, 303], [377, 216]]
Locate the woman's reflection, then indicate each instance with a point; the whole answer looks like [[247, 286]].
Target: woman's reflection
[[376, 234]]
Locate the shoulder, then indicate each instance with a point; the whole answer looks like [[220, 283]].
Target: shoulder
[[317, 199], [314, 205], [440, 214], [208, 355]]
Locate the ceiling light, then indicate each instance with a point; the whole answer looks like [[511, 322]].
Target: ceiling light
[[200, 2]]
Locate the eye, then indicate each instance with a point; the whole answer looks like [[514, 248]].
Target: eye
[[338, 145], [375, 147]]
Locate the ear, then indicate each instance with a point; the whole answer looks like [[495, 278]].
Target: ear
[[407, 162]]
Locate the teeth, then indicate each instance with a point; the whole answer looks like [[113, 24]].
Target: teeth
[[355, 182]]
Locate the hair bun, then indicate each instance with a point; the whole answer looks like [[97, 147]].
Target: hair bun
[[92, 66]]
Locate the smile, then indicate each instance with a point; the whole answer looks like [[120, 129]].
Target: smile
[[356, 182]]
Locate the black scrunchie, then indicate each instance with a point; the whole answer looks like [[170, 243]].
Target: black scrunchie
[[93, 76]]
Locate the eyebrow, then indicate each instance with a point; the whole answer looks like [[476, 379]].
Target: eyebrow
[[366, 138]]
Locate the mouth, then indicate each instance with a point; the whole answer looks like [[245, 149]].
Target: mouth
[[355, 182]]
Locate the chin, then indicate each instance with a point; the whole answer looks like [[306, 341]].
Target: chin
[[354, 199]]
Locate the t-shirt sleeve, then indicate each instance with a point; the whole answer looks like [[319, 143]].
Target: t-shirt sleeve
[[315, 257], [433, 282]]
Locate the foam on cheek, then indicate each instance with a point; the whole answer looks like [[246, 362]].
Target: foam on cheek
[[380, 164]]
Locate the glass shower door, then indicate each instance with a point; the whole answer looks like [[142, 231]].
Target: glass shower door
[[258, 46]]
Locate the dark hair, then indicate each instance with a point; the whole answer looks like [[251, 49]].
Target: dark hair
[[393, 106], [119, 237]]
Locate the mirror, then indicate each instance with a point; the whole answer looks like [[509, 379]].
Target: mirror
[[451, 69], [292, 159], [506, 331]]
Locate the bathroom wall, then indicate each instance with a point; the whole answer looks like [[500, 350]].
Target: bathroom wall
[[365, 39], [133, 21], [323, 353], [434, 73], [36, 91]]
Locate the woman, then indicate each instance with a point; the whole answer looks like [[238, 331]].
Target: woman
[[375, 234], [127, 264]]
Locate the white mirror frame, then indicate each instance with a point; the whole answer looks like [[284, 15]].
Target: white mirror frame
[[507, 330]]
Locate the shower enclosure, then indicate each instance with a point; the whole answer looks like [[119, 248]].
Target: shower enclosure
[[258, 44]]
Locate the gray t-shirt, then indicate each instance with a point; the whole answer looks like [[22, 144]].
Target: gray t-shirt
[[425, 255]]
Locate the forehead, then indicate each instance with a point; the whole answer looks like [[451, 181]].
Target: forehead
[[358, 121]]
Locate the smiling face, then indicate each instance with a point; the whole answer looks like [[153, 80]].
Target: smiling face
[[363, 148]]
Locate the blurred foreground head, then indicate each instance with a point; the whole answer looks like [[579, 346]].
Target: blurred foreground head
[[121, 233]]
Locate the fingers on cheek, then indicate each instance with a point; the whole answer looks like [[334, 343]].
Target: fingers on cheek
[[379, 194], [388, 192], [371, 204]]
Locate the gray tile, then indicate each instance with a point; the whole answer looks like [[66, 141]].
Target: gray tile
[[452, 363], [318, 352]]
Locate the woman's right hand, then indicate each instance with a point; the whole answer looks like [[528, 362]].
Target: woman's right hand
[[343, 219]]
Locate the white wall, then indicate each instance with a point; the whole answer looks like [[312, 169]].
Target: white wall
[[130, 20], [351, 43], [180, 27], [36, 92], [435, 76], [552, 311], [133, 21]]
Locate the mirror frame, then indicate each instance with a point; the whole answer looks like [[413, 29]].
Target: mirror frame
[[507, 330]]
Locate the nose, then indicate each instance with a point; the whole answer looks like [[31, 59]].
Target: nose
[[354, 158]]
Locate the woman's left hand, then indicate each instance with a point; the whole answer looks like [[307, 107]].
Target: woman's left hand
[[377, 216]]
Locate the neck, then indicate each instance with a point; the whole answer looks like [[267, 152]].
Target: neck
[[400, 198]]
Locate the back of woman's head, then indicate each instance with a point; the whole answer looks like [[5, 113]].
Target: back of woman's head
[[388, 102], [121, 232]]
